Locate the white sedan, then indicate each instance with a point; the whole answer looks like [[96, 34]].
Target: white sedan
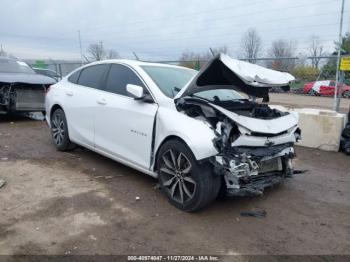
[[191, 130]]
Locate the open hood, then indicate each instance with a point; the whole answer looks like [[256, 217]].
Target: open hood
[[224, 72]]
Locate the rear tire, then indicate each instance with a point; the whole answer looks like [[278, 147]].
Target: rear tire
[[189, 186], [59, 131]]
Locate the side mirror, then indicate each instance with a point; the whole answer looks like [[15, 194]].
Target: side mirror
[[135, 91]]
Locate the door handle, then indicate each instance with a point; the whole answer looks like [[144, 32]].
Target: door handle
[[101, 101], [69, 93]]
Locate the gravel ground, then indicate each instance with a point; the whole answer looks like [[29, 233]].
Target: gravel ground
[[83, 203]]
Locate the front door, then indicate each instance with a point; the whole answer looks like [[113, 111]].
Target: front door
[[123, 125]]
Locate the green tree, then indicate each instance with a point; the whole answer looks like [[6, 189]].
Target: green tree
[[329, 69]]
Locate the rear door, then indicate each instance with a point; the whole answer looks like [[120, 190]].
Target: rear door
[[81, 101], [123, 125]]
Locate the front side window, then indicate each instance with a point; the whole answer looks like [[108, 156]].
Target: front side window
[[92, 76], [118, 77], [170, 80]]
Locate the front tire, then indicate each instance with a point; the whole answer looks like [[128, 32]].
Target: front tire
[[59, 131], [313, 92], [189, 186]]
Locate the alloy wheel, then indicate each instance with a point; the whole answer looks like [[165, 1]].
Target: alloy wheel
[[58, 129], [176, 176]]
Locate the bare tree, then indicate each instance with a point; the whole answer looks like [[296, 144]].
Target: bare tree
[[2, 51], [315, 50], [112, 54], [251, 45], [96, 52], [190, 59], [217, 50], [283, 51], [197, 60]]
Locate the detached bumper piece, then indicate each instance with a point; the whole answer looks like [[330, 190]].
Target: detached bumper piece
[[255, 185], [248, 171]]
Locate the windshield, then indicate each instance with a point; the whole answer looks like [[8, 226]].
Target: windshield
[[219, 95], [170, 80], [13, 66]]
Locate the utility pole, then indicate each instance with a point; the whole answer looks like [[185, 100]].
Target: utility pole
[[81, 49], [337, 76]]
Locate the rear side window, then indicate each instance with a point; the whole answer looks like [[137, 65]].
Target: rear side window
[[92, 76], [74, 77], [119, 76]]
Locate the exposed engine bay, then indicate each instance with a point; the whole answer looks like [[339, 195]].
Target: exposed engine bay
[[16, 97], [248, 160]]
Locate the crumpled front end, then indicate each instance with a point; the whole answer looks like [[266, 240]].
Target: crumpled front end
[[251, 161], [254, 145], [248, 171]]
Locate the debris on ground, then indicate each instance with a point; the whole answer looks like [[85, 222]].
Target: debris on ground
[[4, 159], [157, 186], [2, 182], [137, 198], [256, 213], [296, 172]]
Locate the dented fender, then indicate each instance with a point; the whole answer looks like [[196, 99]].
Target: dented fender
[[193, 132]]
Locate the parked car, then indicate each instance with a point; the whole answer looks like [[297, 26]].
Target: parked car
[[21, 89], [48, 72], [191, 130], [326, 88]]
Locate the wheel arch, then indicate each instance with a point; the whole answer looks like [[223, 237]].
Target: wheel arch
[[54, 108], [166, 139]]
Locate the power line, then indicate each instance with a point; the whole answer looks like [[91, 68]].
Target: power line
[[190, 15]]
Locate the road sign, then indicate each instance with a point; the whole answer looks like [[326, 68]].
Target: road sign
[[345, 63]]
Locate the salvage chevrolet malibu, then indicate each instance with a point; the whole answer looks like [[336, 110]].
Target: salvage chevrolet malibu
[[194, 131], [21, 89]]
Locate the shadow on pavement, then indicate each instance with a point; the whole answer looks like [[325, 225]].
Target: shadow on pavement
[[21, 117]]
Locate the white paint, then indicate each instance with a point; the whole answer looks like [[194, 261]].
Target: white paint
[[121, 128]]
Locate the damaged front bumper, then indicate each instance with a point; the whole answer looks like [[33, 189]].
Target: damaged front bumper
[[247, 171]]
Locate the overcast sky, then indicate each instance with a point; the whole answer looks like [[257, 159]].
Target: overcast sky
[[158, 29]]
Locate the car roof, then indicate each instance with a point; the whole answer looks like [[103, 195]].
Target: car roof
[[135, 63]]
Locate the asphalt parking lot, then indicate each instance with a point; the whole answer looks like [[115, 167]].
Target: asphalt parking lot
[[83, 203]]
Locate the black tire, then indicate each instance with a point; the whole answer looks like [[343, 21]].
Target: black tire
[[312, 92], [189, 187], [59, 131], [346, 94]]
